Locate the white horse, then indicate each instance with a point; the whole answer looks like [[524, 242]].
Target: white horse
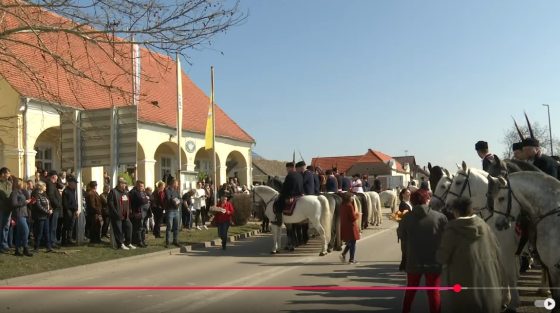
[[314, 209], [473, 183], [439, 194], [375, 215], [389, 200], [538, 195]]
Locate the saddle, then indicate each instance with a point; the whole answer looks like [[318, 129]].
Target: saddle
[[290, 205]]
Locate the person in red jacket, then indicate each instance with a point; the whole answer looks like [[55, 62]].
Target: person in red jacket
[[349, 231], [222, 218]]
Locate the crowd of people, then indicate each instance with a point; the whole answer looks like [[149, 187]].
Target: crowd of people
[[44, 211]]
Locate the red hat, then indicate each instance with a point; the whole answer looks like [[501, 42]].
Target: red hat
[[419, 197]]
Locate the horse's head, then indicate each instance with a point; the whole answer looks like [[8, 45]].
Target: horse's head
[[440, 191], [499, 167], [500, 196], [436, 173], [469, 183]]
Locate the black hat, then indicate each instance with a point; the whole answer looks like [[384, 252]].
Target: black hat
[[52, 173], [517, 146], [311, 168], [481, 145], [93, 183], [300, 164], [530, 142], [290, 164]]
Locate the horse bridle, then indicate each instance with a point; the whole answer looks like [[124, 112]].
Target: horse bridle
[[444, 195], [466, 184]]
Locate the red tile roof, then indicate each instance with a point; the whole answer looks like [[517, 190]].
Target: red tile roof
[[346, 162], [44, 79]]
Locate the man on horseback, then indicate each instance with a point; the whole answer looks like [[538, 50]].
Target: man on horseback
[[533, 154], [292, 187], [488, 158], [517, 148]]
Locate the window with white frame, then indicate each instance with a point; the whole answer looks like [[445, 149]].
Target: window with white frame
[[44, 157], [165, 164]]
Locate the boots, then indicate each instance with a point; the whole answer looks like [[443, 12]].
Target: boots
[[18, 253], [26, 252]]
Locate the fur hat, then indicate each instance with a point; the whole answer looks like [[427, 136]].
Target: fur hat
[[300, 164], [517, 146], [530, 142], [481, 145]]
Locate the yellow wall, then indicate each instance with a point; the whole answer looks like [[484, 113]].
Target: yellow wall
[[11, 149]]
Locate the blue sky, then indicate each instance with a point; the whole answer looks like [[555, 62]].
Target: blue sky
[[431, 77]]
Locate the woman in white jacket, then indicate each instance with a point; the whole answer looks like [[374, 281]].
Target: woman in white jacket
[[199, 205]]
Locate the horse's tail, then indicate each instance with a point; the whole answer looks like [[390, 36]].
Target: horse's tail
[[326, 217]]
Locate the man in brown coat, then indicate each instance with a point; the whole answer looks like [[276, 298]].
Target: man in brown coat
[[95, 207]]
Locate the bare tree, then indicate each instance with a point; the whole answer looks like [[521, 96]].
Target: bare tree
[[541, 133], [91, 40]]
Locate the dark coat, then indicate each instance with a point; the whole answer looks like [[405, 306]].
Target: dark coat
[[138, 201], [317, 181], [19, 206], [332, 184], [349, 222], [69, 201], [487, 161], [421, 232], [40, 208], [547, 164], [172, 199], [119, 204], [293, 185], [54, 195], [471, 252], [94, 203], [346, 184], [308, 183]]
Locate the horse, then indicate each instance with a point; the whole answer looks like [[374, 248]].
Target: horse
[[365, 208], [389, 199], [436, 173], [314, 209], [334, 203], [473, 183], [504, 167], [538, 195], [440, 189], [375, 214]]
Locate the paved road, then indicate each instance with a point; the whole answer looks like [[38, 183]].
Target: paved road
[[245, 263]]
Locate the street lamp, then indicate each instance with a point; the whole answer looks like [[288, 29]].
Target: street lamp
[[549, 128]]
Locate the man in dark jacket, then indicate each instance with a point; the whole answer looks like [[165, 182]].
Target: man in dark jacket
[[332, 183], [488, 158], [55, 200], [94, 204], [172, 208], [5, 208], [292, 187], [139, 203], [421, 231], [308, 179], [346, 182], [119, 211], [70, 211], [533, 153], [316, 179]]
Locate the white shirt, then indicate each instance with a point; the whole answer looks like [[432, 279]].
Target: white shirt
[[199, 199], [357, 186]]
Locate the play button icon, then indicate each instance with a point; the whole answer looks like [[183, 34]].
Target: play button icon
[[549, 304]]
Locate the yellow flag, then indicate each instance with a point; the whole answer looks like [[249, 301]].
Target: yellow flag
[[210, 120]]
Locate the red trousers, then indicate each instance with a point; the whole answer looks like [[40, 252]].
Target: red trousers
[[434, 299]]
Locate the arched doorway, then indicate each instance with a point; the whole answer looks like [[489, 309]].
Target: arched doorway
[[236, 166], [47, 147], [166, 160], [203, 165]]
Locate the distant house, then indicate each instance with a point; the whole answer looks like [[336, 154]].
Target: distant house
[[263, 169], [375, 164]]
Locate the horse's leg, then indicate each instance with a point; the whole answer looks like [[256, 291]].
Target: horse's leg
[[291, 237], [554, 280], [317, 225], [275, 242]]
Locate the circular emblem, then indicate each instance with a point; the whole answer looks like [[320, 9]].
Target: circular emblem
[[191, 146]]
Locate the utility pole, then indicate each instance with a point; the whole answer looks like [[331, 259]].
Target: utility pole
[[549, 129]]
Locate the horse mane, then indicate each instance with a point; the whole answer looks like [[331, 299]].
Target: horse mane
[[533, 185], [436, 173], [503, 167]]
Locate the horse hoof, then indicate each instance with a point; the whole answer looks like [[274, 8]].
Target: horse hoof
[[322, 254]]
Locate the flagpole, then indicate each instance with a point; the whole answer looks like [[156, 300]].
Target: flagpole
[[179, 117], [214, 140]]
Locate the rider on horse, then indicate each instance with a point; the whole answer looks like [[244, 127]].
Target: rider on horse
[[488, 158], [292, 187]]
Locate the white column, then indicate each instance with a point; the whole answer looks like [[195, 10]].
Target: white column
[[222, 175], [30, 163], [149, 172]]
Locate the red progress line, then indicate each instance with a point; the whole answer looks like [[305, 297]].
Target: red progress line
[[456, 288]]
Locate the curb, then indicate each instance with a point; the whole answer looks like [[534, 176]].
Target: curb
[[217, 242]]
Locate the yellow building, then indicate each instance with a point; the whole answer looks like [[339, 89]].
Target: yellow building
[[32, 99]]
